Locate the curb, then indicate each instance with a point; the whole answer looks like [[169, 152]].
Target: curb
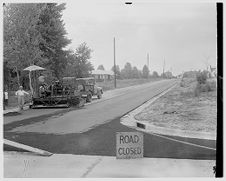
[[27, 148], [129, 120], [175, 132]]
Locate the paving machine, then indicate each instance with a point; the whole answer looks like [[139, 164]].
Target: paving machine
[[57, 94]]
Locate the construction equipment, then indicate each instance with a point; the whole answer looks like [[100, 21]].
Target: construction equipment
[[57, 95]]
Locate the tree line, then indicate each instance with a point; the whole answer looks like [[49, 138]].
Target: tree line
[[131, 72], [34, 34]]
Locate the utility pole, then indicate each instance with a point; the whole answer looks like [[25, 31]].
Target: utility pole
[[163, 71], [148, 61], [114, 65]]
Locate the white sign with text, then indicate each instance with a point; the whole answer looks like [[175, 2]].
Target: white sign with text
[[129, 145]]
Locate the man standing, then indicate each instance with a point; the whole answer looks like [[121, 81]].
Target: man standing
[[20, 95], [6, 97]]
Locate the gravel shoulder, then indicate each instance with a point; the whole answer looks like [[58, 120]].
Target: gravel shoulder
[[181, 109]]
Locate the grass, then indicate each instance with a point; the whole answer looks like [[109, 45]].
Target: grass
[[109, 85], [181, 109]]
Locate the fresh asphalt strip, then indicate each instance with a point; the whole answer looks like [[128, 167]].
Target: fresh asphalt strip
[[102, 141], [36, 119]]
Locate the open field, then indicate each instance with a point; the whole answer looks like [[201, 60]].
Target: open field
[[181, 108], [108, 85]]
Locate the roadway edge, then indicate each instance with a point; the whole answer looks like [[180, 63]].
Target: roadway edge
[[130, 120]]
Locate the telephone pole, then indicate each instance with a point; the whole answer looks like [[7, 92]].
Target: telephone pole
[[148, 61], [114, 65], [163, 71]]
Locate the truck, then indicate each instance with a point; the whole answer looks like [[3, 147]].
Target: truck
[[86, 86]]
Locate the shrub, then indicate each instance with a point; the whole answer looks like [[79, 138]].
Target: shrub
[[182, 83], [196, 91], [207, 87], [201, 77], [211, 86]]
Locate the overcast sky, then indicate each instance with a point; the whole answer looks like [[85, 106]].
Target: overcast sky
[[183, 34]]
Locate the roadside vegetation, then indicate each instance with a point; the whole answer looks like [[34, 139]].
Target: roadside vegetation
[[203, 84], [34, 33], [130, 75], [108, 85], [191, 105]]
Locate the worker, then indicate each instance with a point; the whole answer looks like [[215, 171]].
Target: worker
[[42, 91], [20, 95], [6, 97]]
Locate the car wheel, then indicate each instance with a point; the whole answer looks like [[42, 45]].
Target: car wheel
[[99, 96]]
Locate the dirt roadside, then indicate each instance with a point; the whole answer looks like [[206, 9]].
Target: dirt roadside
[[182, 109]]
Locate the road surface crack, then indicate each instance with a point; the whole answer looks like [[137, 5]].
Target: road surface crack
[[92, 167]]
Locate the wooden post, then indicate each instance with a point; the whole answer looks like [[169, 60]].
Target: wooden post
[[32, 91]]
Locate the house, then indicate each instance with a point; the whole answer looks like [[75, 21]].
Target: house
[[168, 75], [103, 75], [213, 71]]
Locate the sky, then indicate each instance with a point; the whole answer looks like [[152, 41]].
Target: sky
[[184, 34]]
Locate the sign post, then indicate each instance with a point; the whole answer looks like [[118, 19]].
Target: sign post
[[129, 145]]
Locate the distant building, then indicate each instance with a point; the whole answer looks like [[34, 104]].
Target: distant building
[[168, 75], [103, 75], [190, 74], [213, 71]]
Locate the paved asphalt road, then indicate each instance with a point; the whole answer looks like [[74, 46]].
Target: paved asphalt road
[[92, 130], [98, 112]]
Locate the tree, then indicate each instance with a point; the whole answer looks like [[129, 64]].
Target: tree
[[135, 73], [127, 71], [145, 72], [34, 34], [118, 72], [100, 67], [21, 37], [155, 74], [78, 62], [168, 75], [52, 29]]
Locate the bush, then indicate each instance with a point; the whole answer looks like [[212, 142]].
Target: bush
[[182, 83], [201, 77], [207, 87], [211, 86]]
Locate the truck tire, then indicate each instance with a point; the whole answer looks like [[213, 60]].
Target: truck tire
[[99, 95], [89, 98]]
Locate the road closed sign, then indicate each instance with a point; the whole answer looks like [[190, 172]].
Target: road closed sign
[[129, 145]]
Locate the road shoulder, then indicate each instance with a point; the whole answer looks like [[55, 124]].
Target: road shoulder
[[131, 120]]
